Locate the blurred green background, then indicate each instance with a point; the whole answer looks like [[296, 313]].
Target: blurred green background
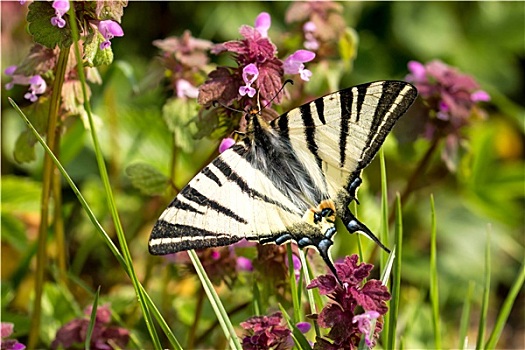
[[483, 39]]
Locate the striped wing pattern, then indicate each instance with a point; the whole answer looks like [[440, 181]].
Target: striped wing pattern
[[261, 188]]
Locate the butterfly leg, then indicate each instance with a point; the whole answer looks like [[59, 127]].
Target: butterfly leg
[[354, 225]]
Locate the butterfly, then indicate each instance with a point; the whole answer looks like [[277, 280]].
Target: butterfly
[[288, 179]]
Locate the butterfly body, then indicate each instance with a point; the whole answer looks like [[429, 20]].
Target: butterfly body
[[287, 179]]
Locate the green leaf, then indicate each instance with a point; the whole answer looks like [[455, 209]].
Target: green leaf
[[25, 148], [40, 27], [178, 115], [147, 178]]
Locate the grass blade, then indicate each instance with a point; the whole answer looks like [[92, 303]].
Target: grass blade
[[486, 294], [395, 289], [434, 291], [465, 317], [505, 309], [222, 315], [313, 296], [97, 225], [92, 320], [300, 340], [293, 285]]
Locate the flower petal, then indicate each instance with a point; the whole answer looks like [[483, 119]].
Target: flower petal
[[263, 23]]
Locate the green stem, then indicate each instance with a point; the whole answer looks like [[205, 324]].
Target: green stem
[[58, 222], [47, 180]]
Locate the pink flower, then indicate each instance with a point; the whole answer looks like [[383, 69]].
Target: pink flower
[[61, 7], [249, 75], [185, 89], [263, 23], [244, 264], [109, 29], [225, 144], [364, 324], [311, 42], [266, 332], [37, 86], [296, 266], [6, 329], [294, 64]]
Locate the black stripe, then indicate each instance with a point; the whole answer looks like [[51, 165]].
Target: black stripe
[[361, 94], [309, 132], [345, 100], [319, 106], [164, 229], [231, 175], [195, 196], [385, 103], [206, 171], [176, 203], [283, 126]]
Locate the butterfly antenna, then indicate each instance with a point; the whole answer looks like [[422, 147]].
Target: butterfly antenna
[[288, 81], [217, 103]]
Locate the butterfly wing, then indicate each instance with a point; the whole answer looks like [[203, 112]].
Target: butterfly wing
[[227, 201], [343, 131]]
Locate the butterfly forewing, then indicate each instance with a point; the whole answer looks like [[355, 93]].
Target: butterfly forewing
[[268, 186]]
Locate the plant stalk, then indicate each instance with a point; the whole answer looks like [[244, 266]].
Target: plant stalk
[[47, 182]]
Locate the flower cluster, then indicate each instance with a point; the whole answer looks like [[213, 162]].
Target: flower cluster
[[259, 68], [267, 332], [451, 99], [184, 59], [6, 330], [322, 24], [37, 84], [107, 28], [103, 337], [354, 308]]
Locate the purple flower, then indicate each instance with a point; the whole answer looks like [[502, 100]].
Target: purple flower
[[451, 102], [37, 86], [347, 299], [109, 29], [310, 42], [61, 7], [364, 323], [263, 23], [294, 64], [296, 266], [266, 332], [249, 75], [244, 264], [6, 330], [104, 337], [304, 327], [185, 89], [225, 144]]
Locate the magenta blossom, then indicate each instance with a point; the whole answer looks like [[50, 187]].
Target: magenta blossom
[[294, 64], [310, 41], [225, 144], [348, 299], [109, 29], [296, 266], [364, 323], [61, 7], [6, 330], [249, 75], [266, 332], [244, 264], [263, 23], [184, 89], [450, 100], [104, 336], [37, 86]]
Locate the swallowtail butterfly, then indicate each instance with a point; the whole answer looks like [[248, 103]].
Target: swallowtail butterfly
[[287, 179]]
